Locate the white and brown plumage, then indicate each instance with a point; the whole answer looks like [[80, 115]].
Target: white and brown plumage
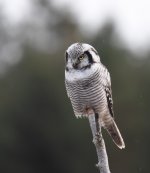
[[88, 86]]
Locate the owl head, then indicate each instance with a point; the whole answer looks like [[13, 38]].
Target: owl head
[[81, 56]]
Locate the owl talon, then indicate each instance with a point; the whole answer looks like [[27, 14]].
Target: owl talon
[[97, 138]]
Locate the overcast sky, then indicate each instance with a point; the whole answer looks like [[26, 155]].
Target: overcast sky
[[132, 17]]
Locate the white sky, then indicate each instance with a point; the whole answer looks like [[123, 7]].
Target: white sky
[[15, 10], [132, 17]]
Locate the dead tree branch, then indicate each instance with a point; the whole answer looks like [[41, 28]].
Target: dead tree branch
[[99, 143]]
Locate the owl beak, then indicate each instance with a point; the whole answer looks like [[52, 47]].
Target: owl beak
[[75, 65]]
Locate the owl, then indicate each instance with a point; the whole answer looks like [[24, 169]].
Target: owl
[[88, 86]]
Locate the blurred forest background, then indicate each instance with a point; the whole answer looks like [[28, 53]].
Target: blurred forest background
[[38, 130]]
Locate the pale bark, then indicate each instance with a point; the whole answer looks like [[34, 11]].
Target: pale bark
[[99, 143]]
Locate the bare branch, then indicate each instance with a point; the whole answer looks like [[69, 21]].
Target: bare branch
[[99, 143]]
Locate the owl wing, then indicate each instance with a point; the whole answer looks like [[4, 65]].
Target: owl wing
[[108, 91], [109, 99]]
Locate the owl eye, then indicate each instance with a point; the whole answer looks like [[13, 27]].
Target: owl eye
[[81, 57]]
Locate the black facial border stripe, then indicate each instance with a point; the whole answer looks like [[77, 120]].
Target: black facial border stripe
[[90, 59], [66, 56]]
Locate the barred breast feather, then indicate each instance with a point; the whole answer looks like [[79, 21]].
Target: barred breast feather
[[87, 91]]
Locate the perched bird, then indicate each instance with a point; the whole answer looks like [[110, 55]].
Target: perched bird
[[88, 86]]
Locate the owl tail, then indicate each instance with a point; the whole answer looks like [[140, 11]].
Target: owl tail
[[114, 132]]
